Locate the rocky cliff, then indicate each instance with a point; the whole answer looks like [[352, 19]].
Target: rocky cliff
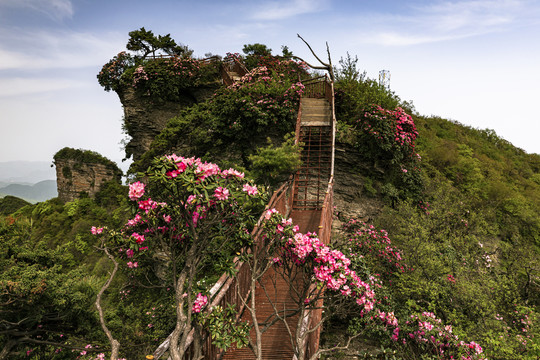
[[143, 120], [82, 171], [351, 197]]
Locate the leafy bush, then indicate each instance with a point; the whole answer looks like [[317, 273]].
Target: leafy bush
[[387, 139], [166, 79], [110, 76], [273, 164], [234, 122]]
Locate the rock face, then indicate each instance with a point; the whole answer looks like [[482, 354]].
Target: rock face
[[350, 196], [144, 121], [77, 174]]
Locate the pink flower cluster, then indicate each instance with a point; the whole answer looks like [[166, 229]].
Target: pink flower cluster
[[429, 332], [221, 193], [375, 242], [208, 186], [199, 303], [402, 128], [136, 190], [96, 231], [330, 267], [251, 190], [139, 239]]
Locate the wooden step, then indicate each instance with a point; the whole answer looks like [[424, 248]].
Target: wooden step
[[316, 109], [313, 101], [316, 120]]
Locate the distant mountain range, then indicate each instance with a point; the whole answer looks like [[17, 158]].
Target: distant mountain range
[[32, 181], [43, 190], [26, 172]]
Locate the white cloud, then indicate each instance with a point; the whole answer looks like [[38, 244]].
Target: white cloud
[[55, 9], [56, 50], [449, 20], [278, 10]]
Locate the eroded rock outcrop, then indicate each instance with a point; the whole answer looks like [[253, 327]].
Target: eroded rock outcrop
[[144, 120], [82, 172]]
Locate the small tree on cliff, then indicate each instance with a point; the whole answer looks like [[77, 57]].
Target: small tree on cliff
[[145, 42]]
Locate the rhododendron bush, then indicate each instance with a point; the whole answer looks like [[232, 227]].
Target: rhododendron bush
[[388, 138], [401, 327], [262, 101], [190, 218], [237, 119]]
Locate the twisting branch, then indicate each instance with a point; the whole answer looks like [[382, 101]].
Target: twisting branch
[[115, 345], [325, 66]]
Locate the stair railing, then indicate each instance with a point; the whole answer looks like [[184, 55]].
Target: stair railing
[[232, 65]]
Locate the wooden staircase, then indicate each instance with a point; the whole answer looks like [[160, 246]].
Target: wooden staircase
[[315, 129], [309, 203], [315, 134]]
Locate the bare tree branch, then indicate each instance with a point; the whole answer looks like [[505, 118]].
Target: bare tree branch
[[115, 345]]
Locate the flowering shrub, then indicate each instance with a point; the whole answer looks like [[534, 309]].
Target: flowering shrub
[[425, 334], [376, 247], [329, 267], [289, 68], [160, 79], [110, 76], [261, 99], [165, 79], [388, 138], [418, 335], [190, 218]]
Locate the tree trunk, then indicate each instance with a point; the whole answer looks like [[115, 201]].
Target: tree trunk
[[176, 352], [7, 349]]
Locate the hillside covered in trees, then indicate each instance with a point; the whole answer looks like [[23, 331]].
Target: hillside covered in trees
[[441, 220]]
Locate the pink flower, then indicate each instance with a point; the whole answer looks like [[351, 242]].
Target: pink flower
[[132, 265], [138, 238], [232, 172], [129, 253], [221, 193], [136, 190], [251, 190], [269, 213], [137, 219], [147, 205], [96, 231], [199, 303]]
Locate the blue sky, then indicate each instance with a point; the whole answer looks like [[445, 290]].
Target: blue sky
[[476, 61]]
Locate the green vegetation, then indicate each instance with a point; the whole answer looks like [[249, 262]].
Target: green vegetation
[[160, 79], [50, 274], [9, 204], [237, 118], [457, 259], [85, 157], [465, 256]]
